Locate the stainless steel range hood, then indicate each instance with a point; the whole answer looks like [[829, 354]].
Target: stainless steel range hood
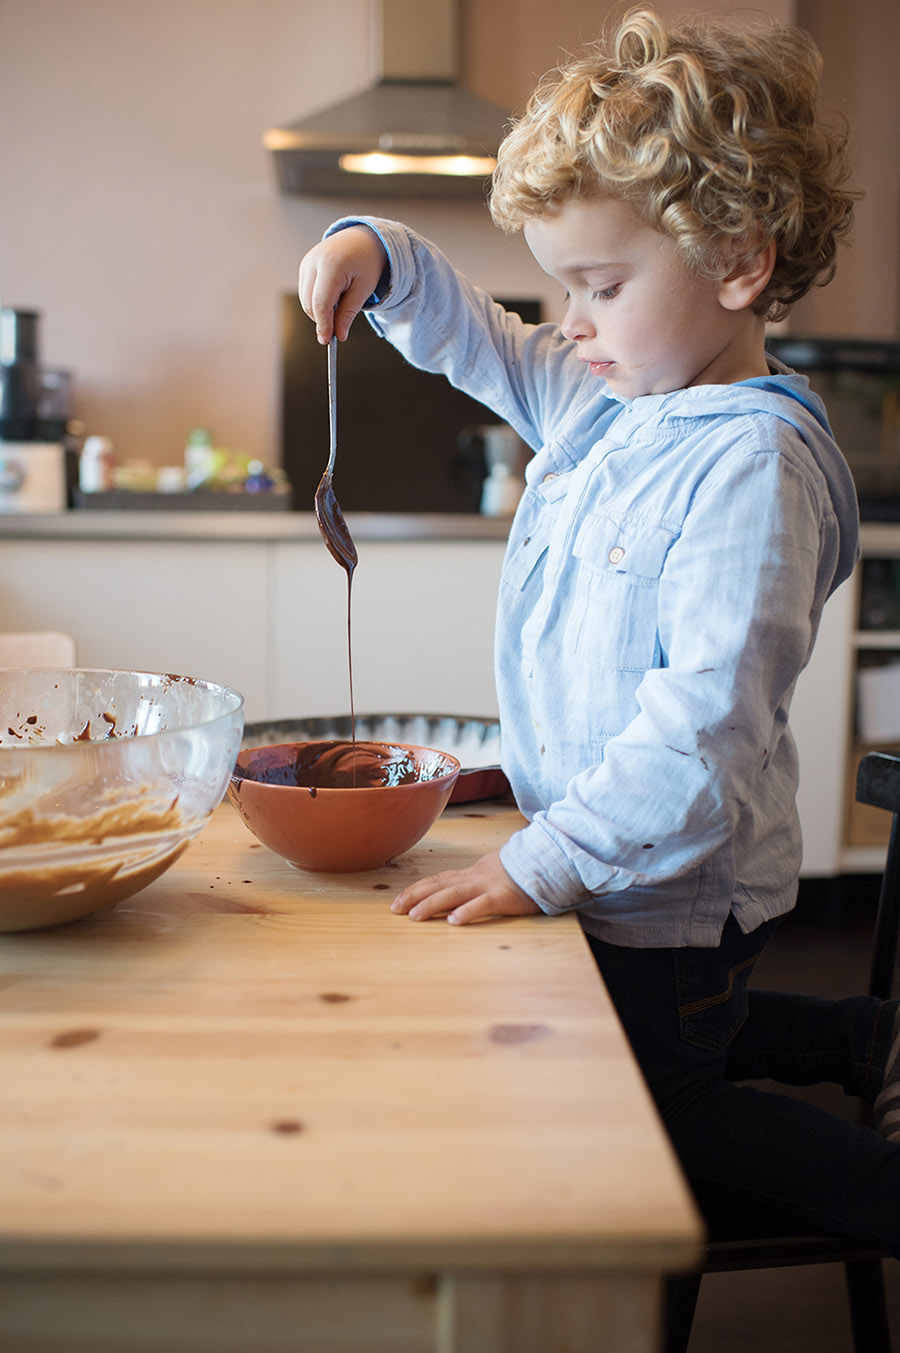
[[413, 133]]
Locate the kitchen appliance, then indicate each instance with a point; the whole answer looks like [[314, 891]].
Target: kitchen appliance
[[20, 374], [413, 132], [32, 477], [34, 414], [859, 381], [505, 457], [401, 428]]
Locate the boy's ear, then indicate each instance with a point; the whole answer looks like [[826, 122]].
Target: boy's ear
[[741, 287]]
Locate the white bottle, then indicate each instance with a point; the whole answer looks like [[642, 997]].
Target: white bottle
[[96, 465]]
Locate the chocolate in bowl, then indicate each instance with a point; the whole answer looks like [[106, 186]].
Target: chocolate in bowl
[[341, 807], [475, 742], [342, 765]]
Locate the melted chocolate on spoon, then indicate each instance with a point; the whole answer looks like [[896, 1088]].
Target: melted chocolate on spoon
[[340, 544]]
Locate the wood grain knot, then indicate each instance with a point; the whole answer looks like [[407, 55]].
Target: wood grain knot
[[74, 1038], [334, 997], [287, 1127], [517, 1033]]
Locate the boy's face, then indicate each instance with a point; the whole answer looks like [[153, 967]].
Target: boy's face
[[640, 318]]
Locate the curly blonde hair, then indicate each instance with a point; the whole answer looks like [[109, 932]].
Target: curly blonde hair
[[710, 131]]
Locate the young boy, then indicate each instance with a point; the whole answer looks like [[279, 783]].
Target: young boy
[[686, 516]]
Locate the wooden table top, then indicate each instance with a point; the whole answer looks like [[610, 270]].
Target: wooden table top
[[245, 1064]]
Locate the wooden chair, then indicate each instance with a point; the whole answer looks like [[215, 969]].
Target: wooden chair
[[747, 1236], [47, 649]]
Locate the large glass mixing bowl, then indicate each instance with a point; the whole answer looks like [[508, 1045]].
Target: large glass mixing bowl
[[105, 777]]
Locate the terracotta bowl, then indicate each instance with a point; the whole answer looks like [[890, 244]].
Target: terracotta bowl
[[341, 807]]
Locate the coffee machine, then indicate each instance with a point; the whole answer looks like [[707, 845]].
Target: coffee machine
[[34, 416], [501, 456]]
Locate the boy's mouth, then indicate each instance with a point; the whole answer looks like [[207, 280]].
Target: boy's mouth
[[601, 368]]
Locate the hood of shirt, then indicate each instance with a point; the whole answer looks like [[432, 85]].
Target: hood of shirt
[[783, 394]]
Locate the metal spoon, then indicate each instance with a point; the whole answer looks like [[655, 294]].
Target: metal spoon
[[332, 526]]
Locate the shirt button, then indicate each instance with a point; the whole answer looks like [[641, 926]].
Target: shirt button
[[551, 475], [616, 554]]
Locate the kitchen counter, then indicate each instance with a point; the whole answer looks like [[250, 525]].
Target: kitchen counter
[[247, 525], [253, 1103]]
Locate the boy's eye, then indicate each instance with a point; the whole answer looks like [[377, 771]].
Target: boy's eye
[[606, 294]]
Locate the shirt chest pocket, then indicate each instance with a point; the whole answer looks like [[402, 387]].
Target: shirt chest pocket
[[614, 616], [633, 551]]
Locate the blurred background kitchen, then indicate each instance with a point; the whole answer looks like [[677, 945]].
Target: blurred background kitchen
[[142, 218]]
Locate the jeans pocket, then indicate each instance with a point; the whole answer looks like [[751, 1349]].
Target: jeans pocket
[[711, 986]]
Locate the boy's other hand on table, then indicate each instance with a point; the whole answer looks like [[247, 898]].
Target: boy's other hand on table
[[474, 894]]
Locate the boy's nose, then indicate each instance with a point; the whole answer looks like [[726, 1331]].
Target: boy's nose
[[575, 324]]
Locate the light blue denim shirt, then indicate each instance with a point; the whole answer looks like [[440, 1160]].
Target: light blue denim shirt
[[662, 587]]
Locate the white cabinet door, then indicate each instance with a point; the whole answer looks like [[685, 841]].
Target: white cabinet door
[[820, 719], [196, 608], [422, 625]]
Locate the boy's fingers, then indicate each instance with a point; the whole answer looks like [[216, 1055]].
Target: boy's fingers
[[432, 904], [419, 891], [474, 910], [323, 302], [319, 293], [348, 307], [331, 309]]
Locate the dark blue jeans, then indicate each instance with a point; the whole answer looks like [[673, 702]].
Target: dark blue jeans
[[697, 1031]]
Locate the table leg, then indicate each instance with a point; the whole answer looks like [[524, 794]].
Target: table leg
[[591, 1313]]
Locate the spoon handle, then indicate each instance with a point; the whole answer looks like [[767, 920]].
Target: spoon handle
[[332, 403]]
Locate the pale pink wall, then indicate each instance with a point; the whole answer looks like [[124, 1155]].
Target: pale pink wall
[[139, 210], [861, 47], [511, 43], [139, 213]]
